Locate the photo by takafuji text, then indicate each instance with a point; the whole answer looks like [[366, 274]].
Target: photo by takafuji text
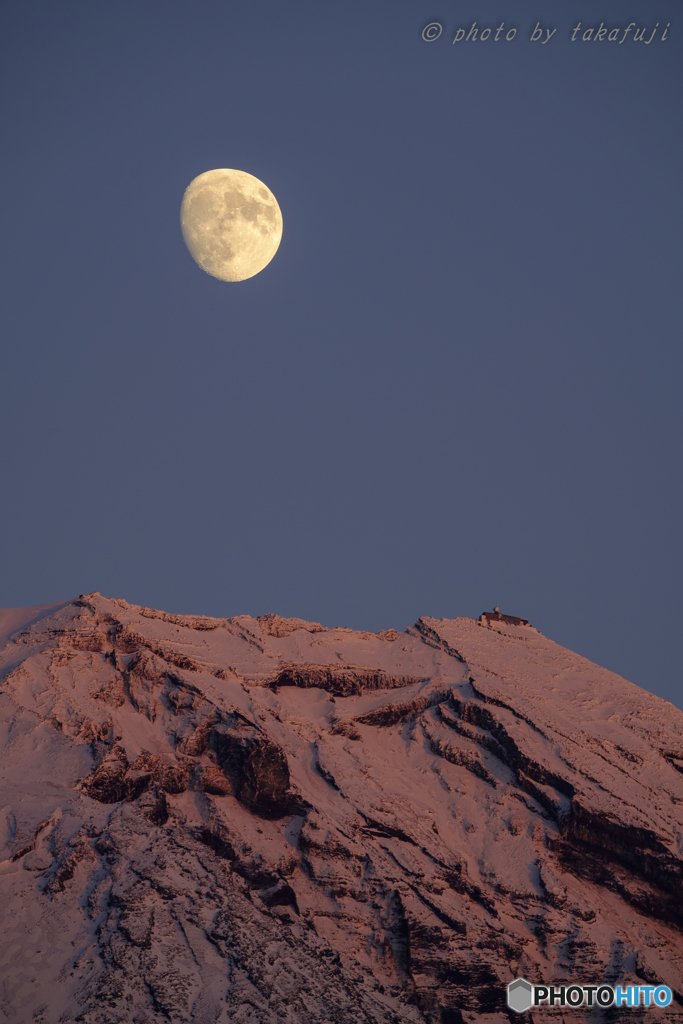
[[540, 34]]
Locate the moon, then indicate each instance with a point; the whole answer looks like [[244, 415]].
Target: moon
[[231, 224]]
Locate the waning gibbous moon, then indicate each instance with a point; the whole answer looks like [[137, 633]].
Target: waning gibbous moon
[[231, 224]]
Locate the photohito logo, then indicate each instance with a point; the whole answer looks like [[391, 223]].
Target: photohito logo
[[522, 995]]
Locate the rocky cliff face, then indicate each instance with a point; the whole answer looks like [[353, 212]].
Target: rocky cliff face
[[263, 820]]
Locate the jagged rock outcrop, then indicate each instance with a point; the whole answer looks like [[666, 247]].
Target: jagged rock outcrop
[[260, 820]]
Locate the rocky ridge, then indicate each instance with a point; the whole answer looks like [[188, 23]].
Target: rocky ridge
[[261, 820]]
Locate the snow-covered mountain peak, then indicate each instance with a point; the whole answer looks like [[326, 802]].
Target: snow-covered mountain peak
[[264, 819]]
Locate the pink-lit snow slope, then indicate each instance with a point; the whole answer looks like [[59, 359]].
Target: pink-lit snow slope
[[266, 820]]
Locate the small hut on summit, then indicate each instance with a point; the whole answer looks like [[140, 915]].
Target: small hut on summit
[[486, 618]]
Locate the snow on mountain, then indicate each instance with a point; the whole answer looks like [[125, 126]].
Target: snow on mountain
[[264, 820]]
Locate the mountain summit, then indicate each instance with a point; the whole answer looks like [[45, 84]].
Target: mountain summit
[[265, 821]]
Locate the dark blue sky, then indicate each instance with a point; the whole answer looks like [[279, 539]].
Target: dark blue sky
[[458, 383]]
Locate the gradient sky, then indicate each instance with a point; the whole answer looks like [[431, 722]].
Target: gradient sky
[[457, 385]]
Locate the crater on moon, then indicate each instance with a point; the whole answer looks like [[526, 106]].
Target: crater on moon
[[231, 223]]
